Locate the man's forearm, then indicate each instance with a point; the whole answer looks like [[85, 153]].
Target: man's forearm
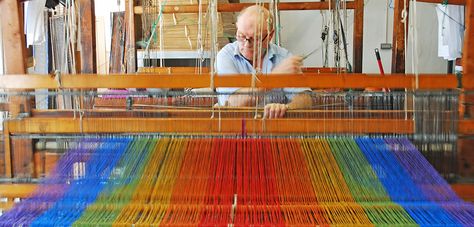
[[243, 97], [301, 101]]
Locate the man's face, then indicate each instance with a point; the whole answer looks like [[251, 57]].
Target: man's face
[[246, 36]]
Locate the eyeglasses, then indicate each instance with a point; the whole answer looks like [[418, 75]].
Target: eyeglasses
[[243, 39]]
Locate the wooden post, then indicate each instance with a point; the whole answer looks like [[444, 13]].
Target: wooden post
[[466, 144], [130, 51], [358, 41], [117, 48], [15, 63], [468, 53], [400, 14], [468, 60], [13, 38], [87, 27]]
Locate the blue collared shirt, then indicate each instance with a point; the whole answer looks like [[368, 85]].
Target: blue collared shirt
[[230, 61]]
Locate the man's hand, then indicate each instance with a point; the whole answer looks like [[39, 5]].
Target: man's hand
[[275, 110], [289, 65]]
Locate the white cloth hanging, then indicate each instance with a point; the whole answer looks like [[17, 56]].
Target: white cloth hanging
[[450, 31], [34, 22]]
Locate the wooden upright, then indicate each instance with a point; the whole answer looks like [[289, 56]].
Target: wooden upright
[[130, 49], [358, 41], [15, 63], [466, 145], [13, 37], [468, 53], [400, 30], [87, 27]]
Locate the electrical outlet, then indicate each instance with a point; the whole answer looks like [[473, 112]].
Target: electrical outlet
[[385, 46]]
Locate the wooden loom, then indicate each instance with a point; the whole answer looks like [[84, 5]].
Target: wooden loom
[[44, 124]]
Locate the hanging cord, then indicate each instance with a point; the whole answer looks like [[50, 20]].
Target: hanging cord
[[324, 38], [335, 20], [344, 43], [162, 38], [64, 62], [257, 41], [386, 21], [405, 24], [200, 44], [276, 21], [256, 58], [403, 17], [214, 48], [153, 31]]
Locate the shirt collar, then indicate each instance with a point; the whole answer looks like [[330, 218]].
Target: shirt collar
[[270, 53]]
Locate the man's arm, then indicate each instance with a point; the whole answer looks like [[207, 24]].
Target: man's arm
[[291, 64], [301, 101], [277, 110], [243, 97]]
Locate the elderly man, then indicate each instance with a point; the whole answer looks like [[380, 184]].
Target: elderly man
[[243, 57]]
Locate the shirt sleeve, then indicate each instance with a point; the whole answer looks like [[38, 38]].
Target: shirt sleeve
[[225, 64], [289, 92]]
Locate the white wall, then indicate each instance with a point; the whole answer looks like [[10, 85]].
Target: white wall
[[301, 32]]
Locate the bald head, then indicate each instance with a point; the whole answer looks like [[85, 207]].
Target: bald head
[[252, 14], [254, 23]]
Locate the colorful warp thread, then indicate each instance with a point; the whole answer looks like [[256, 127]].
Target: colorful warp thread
[[242, 181]]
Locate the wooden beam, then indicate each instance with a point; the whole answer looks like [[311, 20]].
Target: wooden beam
[[204, 125], [7, 150], [130, 49], [236, 7], [312, 80], [117, 49], [15, 63], [466, 127], [142, 107], [465, 191], [358, 38], [22, 157], [400, 18], [87, 38], [208, 125], [468, 53], [13, 38], [4, 107], [12, 191], [468, 77]]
